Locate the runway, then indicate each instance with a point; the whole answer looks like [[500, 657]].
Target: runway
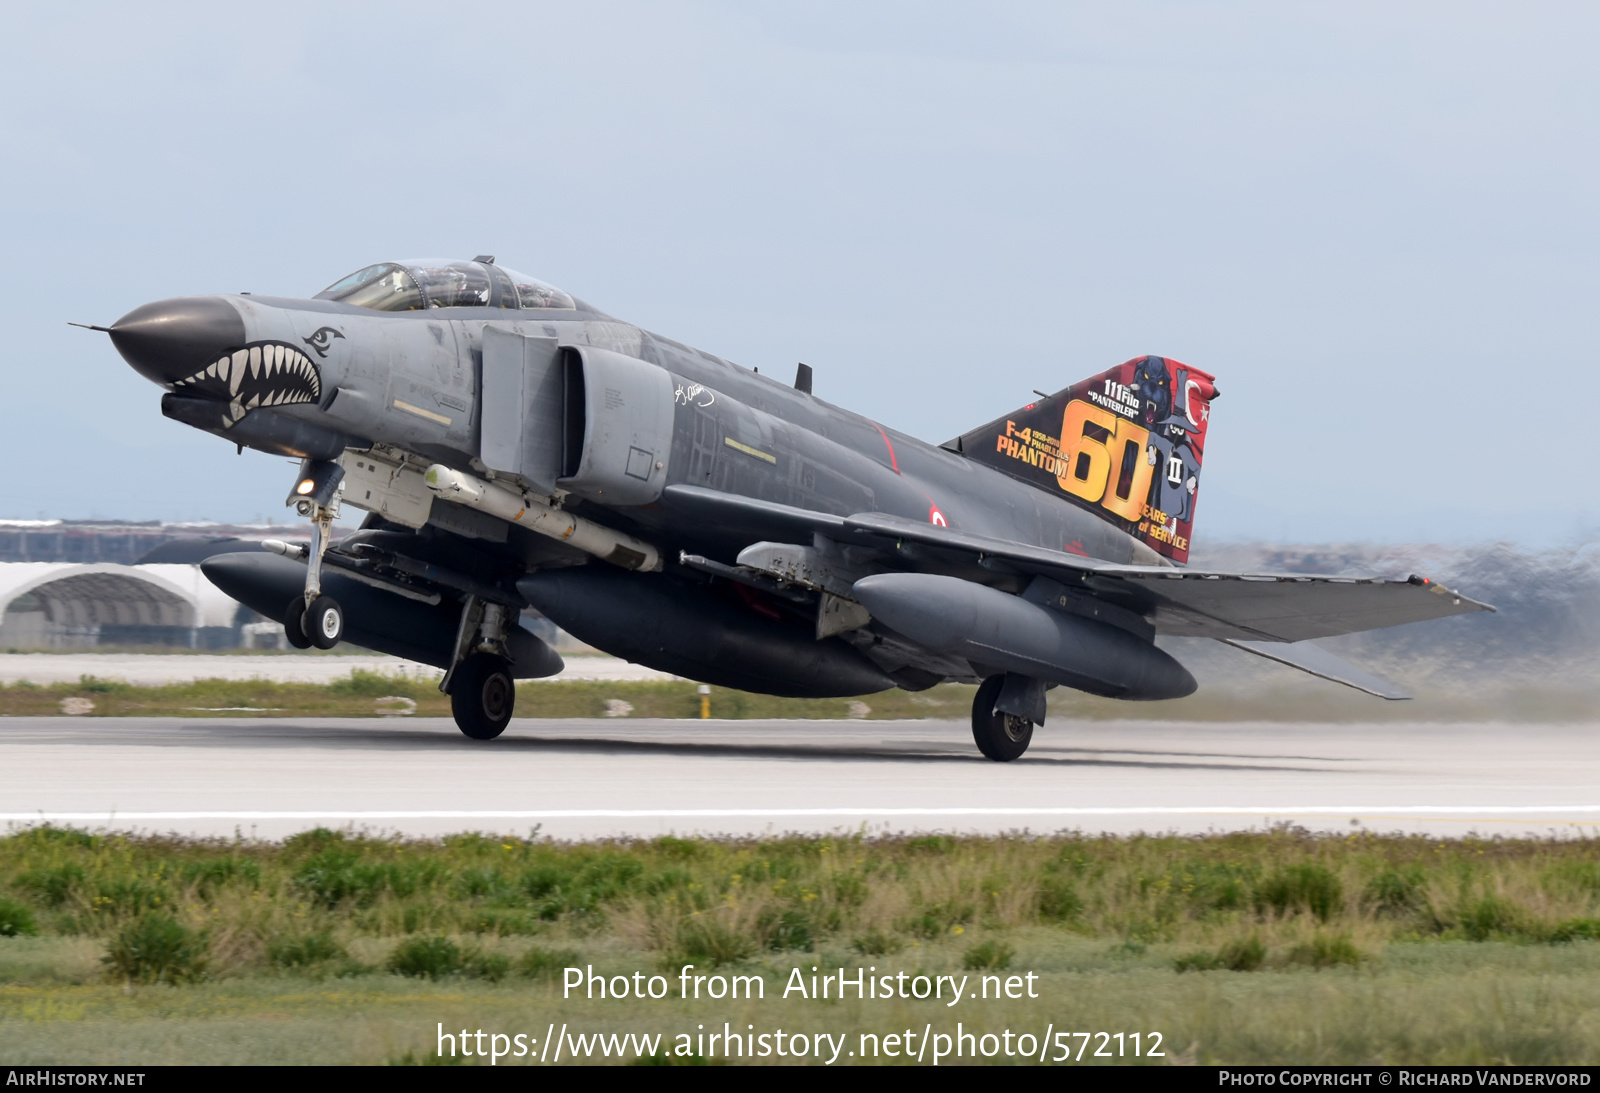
[[583, 779]]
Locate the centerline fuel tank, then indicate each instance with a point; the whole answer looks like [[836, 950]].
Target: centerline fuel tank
[[653, 620]]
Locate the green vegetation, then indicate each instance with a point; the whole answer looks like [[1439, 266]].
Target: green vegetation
[[16, 920], [156, 948], [1240, 954], [300, 902], [440, 957], [988, 956], [366, 693], [1261, 947]]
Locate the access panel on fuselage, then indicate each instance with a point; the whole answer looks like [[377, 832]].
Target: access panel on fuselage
[[522, 406]]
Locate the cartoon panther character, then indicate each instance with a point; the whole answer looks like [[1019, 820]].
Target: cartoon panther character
[[1153, 385]]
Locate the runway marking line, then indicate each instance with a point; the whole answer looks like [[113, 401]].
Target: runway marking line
[[1380, 811]]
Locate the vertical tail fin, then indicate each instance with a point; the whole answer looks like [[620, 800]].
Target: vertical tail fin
[[1126, 445]]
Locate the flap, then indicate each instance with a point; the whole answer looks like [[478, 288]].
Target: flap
[[1315, 660]]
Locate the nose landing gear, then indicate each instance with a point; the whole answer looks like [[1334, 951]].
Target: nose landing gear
[[314, 618]]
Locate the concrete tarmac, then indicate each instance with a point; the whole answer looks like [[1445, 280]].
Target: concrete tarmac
[[269, 778]]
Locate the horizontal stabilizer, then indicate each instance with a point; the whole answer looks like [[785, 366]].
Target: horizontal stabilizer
[[1314, 659]]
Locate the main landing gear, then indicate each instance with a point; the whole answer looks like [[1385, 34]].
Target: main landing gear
[[482, 692], [482, 696], [1004, 713]]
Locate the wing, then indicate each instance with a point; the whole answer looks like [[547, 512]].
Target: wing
[[1245, 607], [1195, 602]]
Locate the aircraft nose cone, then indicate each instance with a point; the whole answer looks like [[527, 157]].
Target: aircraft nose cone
[[171, 340]]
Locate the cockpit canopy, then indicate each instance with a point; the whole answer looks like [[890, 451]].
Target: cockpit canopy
[[429, 283]]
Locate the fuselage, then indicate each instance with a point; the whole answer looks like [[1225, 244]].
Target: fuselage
[[412, 382]]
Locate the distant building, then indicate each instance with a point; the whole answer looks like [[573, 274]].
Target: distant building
[[75, 584], [130, 542], [60, 605], [68, 584]]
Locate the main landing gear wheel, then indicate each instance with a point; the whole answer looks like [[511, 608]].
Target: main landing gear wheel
[[293, 624], [324, 622], [1000, 736], [482, 695]]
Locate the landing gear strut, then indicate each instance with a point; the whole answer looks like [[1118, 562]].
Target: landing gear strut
[[482, 692], [314, 618], [1000, 736]]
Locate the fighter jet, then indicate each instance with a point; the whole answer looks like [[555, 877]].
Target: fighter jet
[[515, 447]]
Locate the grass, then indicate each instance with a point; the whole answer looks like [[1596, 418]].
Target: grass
[[156, 948], [365, 693], [1425, 1002], [1243, 948], [723, 900]]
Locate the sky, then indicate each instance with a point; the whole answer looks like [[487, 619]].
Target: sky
[[1375, 223]]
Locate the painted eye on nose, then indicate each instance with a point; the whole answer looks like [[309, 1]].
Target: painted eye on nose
[[322, 339]]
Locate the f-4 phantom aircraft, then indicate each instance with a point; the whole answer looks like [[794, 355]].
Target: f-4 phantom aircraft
[[514, 446]]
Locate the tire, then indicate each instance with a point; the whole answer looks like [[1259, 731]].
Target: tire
[[324, 622], [294, 624], [1000, 736], [482, 696]]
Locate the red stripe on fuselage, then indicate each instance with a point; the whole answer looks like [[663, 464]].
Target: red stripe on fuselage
[[894, 463]]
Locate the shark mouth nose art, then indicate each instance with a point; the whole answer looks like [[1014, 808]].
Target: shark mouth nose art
[[264, 374]]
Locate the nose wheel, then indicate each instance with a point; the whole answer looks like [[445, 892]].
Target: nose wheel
[[482, 695], [1000, 736], [320, 625], [294, 623], [323, 622]]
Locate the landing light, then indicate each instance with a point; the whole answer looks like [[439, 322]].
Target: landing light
[[306, 486]]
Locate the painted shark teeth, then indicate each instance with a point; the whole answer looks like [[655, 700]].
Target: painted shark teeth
[[266, 374]]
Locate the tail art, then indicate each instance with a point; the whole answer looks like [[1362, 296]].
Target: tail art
[[1126, 445]]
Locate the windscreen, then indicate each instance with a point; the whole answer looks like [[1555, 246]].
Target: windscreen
[[429, 283], [533, 293], [384, 287], [451, 284]]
